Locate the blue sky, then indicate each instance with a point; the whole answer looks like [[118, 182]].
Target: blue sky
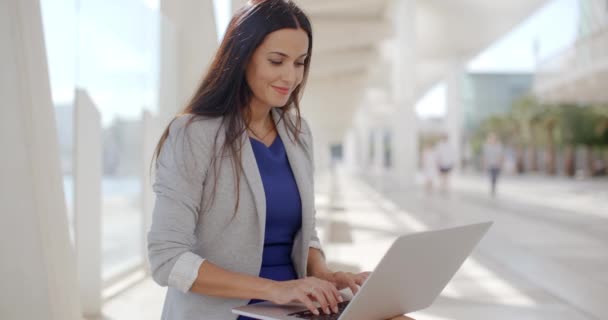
[[121, 58], [554, 27], [118, 48]]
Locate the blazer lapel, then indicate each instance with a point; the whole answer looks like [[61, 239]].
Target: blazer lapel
[[296, 160], [252, 173]]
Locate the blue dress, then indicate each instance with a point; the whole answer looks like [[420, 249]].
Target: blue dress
[[283, 211]]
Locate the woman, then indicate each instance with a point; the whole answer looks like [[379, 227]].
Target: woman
[[429, 166], [445, 161], [234, 219]]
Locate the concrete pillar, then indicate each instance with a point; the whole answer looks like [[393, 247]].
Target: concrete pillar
[[168, 105], [378, 161], [350, 149], [362, 134], [188, 43], [321, 148], [87, 201], [404, 131], [454, 115], [236, 4], [39, 276]]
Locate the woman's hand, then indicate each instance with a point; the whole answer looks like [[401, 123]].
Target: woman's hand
[[306, 291], [346, 279]]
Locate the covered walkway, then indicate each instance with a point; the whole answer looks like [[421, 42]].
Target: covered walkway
[[546, 256]]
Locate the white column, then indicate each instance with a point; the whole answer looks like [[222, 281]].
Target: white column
[[321, 149], [168, 105], [365, 150], [189, 41], [378, 161], [236, 4], [39, 278], [454, 116], [87, 201], [350, 150], [363, 142], [405, 137]]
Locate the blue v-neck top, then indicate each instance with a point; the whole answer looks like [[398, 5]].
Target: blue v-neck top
[[283, 210]]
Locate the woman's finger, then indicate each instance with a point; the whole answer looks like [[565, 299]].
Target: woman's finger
[[360, 278], [351, 283], [336, 292], [330, 295], [319, 295], [303, 297]]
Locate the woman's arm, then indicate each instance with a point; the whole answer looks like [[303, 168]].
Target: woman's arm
[[181, 168], [215, 281]]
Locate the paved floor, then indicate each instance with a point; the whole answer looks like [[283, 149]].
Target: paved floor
[[546, 257]]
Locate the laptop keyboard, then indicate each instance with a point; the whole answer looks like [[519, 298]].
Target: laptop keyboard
[[306, 314]]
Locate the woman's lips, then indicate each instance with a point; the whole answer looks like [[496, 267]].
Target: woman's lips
[[283, 91]]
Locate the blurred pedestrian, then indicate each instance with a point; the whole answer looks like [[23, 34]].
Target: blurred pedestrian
[[493, 158], [444, 154], [429, 166]]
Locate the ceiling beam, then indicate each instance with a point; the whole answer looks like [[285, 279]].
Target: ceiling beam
[[343, 34], [342, 62]]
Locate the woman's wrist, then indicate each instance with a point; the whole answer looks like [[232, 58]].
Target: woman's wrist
[[268, 290], [321, 272]]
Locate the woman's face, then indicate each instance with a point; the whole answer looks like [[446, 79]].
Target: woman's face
[[277, 67]]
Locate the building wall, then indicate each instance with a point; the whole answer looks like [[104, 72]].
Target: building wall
[[593, 16], [491, 94]]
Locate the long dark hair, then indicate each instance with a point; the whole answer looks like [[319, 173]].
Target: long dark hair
[[224, 91]]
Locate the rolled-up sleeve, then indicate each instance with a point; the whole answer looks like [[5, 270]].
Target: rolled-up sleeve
[[314, 240], [180, 172]]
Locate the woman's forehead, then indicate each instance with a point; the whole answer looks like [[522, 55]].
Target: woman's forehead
[[290, 42]]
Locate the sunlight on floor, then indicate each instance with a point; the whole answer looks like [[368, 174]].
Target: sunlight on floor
[[374, 222]]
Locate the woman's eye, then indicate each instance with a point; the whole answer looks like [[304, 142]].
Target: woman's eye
[[278, 63]]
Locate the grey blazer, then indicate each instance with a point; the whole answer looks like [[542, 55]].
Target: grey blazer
[[188, 228]]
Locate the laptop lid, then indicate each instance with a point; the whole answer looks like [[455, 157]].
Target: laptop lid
[[414, 271]]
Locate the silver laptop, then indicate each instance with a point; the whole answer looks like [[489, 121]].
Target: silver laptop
[[410, 276]]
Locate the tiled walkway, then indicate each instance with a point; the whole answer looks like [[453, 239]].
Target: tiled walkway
[[546, 257]]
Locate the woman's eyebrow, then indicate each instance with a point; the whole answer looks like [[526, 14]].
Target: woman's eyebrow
[[286, 55]]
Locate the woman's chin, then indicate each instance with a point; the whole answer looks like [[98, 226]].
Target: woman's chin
[[281, 103]]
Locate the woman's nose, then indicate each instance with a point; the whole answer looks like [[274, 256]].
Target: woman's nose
[[289, 75]]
